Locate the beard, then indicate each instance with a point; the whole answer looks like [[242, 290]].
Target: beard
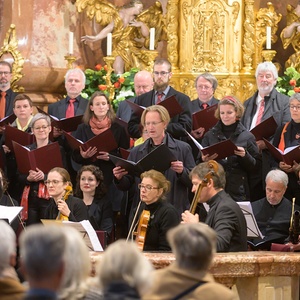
[[161, 86], [3, 85]]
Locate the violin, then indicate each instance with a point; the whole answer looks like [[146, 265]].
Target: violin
[[212, 165], [60, 216], [140, 234]]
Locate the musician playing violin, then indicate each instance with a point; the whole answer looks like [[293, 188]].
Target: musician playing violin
[[163, 215], [224, 215], [63, 205]]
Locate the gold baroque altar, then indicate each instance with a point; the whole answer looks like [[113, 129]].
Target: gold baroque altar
[[226, 38]]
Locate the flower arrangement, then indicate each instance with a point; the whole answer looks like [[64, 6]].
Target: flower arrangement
[[123, 84], [289, 83]]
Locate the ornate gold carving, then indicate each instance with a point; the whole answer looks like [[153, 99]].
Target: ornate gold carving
[[110, 87], [268, 55], [265, 17], [70, 60], [10, 46]]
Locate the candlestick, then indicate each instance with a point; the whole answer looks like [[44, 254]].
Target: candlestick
[[70, 60], [268, 37], [109, 44], [71, 42], [152, 38]]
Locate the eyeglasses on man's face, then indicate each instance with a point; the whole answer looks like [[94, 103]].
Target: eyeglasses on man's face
[[147, 187], [162, 73], [204, 87], [5, 73]]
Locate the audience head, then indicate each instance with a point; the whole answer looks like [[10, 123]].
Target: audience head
[[208, 172], [7, 247], [276, 185], [74, 82], [90, 179], [97, 102], [143, 82], [123, 262], [5, 75], [75, 281], [162, 72], [206, 84], [58, 181], [42, 250], [266, 77], [193, 245], [232, 106], [154, 185]]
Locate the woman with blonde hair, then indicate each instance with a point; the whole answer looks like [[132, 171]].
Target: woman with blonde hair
[[237, 166]]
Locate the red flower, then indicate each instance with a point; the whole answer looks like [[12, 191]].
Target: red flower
[[293, 82], [105, 68], [117, 85], [121, 79], [297, 89], [98, 67], [102, 87]]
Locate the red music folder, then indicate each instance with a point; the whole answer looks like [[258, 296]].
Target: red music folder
[[159, 159], [170, 103], [265, 129], [44, 158], [66, 124], [205, 118], [7, 120], [19, 136], [104, 141], [289, 155], [223, 149]]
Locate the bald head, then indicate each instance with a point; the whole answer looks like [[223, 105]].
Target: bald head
[[143, 82]]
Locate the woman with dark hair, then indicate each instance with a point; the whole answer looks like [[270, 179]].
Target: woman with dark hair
[[237, 166], [63, 205], [91, 189], [99, 117]]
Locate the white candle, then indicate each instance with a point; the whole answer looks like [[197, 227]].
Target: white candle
[[152, 38], [109, 44], [268, 38], [71, 42]]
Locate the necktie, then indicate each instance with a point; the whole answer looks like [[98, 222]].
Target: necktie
[[2, 105], [159, 97], [260, 112], [204, 105], [70, 112]]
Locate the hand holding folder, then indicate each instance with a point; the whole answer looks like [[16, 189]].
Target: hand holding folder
[[205, 118], [7, 120], [159, 159]]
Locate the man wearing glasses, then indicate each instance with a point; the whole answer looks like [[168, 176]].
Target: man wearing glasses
[[7, 95], [162, 73]]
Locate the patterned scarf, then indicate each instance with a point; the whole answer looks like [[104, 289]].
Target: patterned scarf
[[97, 126]]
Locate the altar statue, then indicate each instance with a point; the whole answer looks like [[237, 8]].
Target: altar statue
[[291, 35], [129, 26]]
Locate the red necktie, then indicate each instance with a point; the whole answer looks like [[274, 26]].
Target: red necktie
[[2, 105], [260, 112], [159, 97], [70, 112], [204, 105]]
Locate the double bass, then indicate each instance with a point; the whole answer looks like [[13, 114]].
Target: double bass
[[214, 166]]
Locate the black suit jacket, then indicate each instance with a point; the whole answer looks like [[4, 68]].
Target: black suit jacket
[[58, 109], [196, 104], [177, 124]]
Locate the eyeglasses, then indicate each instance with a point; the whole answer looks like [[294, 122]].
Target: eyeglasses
[[204, 87], [295, 107], [40, 128], [54, 182], [162, 73], [147, 187], [4, 73], [152, 123]]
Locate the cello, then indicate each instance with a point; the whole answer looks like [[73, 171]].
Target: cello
[[212, 165]]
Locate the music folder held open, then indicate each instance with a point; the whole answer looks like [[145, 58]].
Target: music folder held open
[[21, 137], [9, 213], [7, 120], [170, 103], [44, 158], [205, 118], [265, 129], [159, 159]]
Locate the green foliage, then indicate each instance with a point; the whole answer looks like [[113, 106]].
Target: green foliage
[[289, 83]]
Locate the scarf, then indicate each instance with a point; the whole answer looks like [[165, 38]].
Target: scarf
[[19, 126], [97, 126]]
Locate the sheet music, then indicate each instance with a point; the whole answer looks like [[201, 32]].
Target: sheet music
[[198, 145], [252, 227], [9, 212], [92, 235]]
